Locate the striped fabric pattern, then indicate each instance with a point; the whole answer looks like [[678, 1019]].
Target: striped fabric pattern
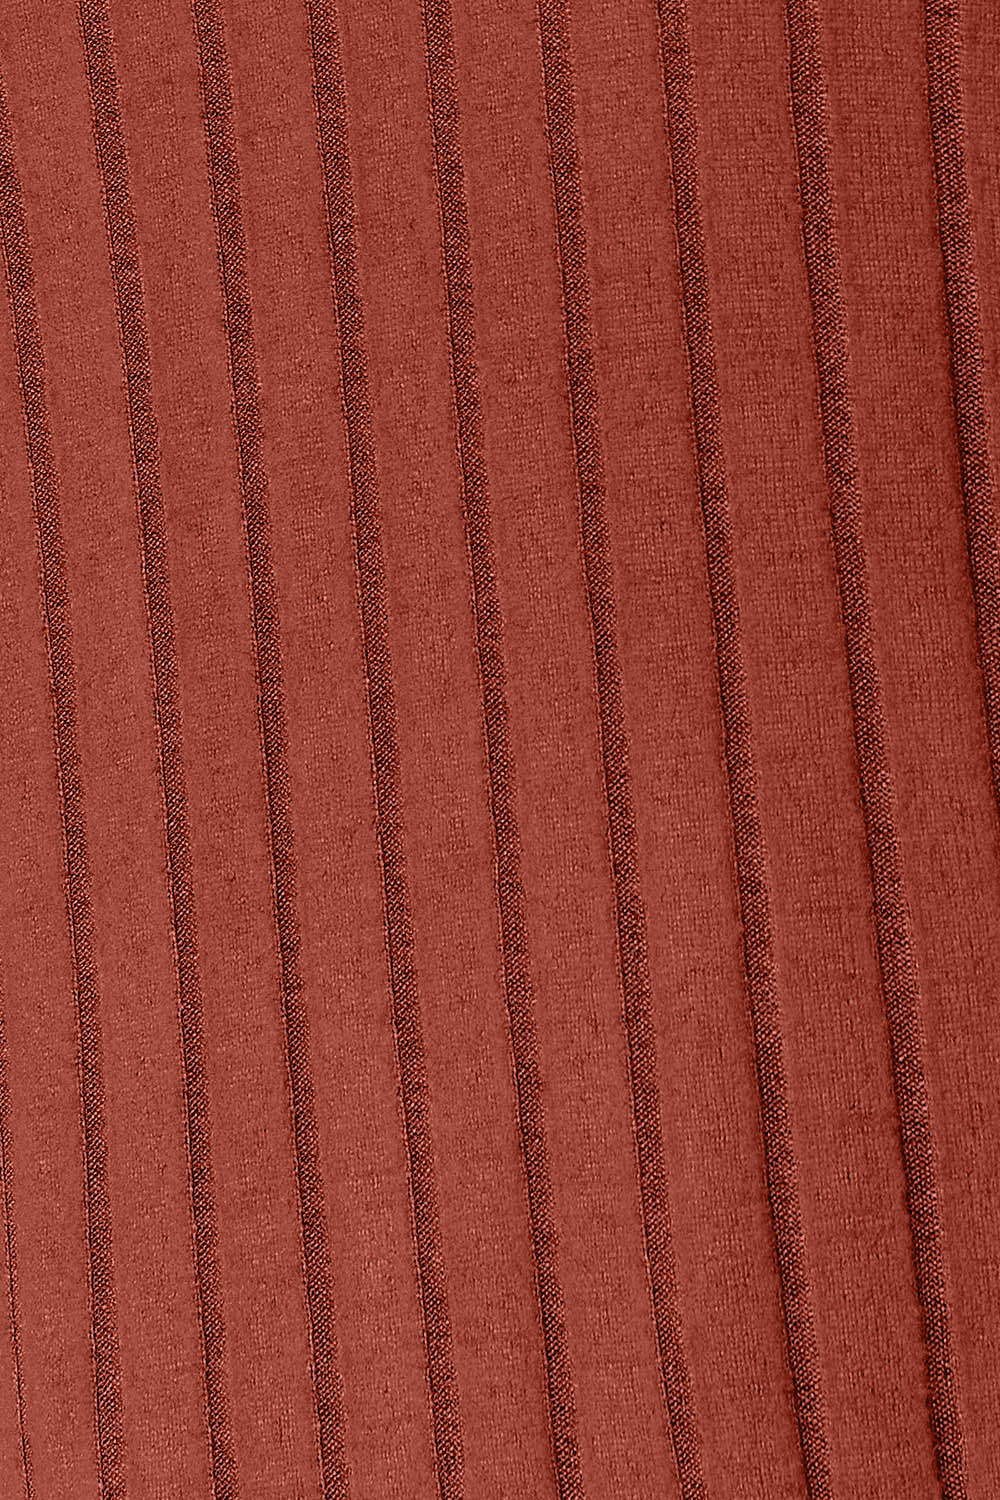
[[500, 750]]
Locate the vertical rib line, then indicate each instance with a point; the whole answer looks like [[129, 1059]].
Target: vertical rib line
[[223, 171], [947, 116], [781, 1167], [112, 160], [560, 112], [11, 1241], [900, 982], [489, 631], [331, 107], [59, 643]]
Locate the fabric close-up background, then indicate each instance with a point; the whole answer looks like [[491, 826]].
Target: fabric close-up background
[[499, 750]]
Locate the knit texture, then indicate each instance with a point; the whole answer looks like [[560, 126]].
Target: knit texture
[[499, 750]]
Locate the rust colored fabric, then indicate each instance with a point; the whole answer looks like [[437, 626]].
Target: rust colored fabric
[[499, 750]]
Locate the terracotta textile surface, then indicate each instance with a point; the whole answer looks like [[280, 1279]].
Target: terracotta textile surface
[[499, 750]]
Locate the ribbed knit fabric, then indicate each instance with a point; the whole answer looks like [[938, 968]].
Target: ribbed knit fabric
[[499, 750]]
